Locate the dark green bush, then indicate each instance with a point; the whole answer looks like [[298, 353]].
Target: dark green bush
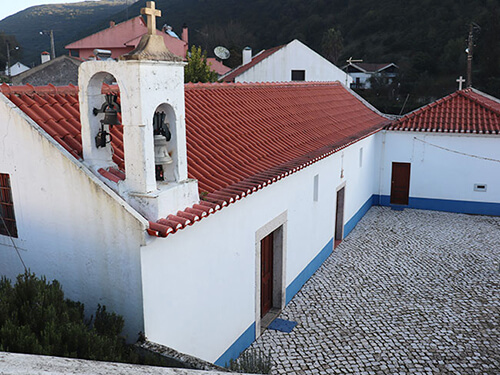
[[35, 318]]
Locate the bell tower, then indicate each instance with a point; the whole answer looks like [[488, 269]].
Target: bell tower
[[150, 80]]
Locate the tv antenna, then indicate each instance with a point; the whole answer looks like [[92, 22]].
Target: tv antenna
[[349, 61], [222, 52]]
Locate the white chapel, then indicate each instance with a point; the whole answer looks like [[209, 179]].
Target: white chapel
[[197, 210]]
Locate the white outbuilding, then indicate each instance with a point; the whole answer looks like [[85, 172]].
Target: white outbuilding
[[290, 62]]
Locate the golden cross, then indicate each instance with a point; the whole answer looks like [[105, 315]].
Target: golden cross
[[151, 14]]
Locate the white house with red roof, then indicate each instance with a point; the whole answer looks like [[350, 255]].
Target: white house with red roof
[[362, 73], [198, 211], [123, 37], [290, 62], [445, 156]]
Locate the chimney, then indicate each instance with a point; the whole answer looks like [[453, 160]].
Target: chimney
[[184, 35], [112, 23], [247, 55], [45, 57]]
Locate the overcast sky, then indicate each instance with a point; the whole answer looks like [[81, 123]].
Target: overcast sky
[[9, 7]]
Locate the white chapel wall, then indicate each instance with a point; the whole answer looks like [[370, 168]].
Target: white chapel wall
[[216, 258], [69, 228], [440, 174], [294, 56]]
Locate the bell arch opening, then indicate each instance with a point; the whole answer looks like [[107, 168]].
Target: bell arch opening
[[104, 122], [165, 139]]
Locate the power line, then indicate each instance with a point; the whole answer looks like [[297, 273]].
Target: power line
[[13, 243], [457, 152]]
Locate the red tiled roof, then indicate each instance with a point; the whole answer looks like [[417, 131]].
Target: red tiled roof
[[217, 66], [255, 60], [240, 137], [465, 111], [125, 34]]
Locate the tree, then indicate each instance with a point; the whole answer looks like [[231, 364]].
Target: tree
[[197, 68], [332, 45]]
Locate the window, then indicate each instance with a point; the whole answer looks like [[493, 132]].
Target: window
[[7, 220], [316, 188], [361, 157], [298, 75]]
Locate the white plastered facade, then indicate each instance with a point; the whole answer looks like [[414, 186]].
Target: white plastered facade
[[216, 259], [444, 166], [71, 227], [294, 56]]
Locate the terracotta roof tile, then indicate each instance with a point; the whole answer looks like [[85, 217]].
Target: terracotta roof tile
[[240, 137], [465, 111]]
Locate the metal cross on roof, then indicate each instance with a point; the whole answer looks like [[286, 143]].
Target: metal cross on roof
[[460, 81], [151, 14]]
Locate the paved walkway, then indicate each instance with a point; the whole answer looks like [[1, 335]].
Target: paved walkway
[[406, 292]]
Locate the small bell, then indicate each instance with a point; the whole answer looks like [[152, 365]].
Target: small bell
[[161, 152], [110, 117]]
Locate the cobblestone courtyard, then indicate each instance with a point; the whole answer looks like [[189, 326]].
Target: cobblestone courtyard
[[406, 292]]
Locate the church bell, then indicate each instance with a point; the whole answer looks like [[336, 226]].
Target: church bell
[[161, 137], [110, 108]]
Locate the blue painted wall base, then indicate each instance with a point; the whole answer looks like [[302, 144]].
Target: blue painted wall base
[[307, 272], [447, 205], [234, 351], [468, 207]]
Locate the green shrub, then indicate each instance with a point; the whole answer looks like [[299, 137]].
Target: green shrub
[[36, 318], [252, 361]]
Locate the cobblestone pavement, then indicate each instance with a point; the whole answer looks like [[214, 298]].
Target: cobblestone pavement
[[406, 292]]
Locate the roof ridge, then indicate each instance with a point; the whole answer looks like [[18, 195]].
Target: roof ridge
[[30, 89], [465, 93], [215, 85], [106, 28]]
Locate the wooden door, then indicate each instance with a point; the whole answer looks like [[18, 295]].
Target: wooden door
[[339, 215], [400, 183], [266, 272]]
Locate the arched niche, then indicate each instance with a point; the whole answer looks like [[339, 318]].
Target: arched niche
[[100, 135], [165, 141]]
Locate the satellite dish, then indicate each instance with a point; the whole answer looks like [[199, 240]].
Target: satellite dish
[[222, 52]]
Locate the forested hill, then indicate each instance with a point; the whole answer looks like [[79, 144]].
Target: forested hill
[[426, 38], [69, 22]]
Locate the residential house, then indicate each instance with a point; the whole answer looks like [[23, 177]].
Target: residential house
[[16, 68], [290, 62], [123, 37], [217, 66], [61, 71], [363, 73]]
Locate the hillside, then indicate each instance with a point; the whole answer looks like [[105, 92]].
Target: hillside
[[68, 21], [425, 38]]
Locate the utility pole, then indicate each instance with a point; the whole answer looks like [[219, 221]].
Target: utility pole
[[470, 49], [52, 46], [8, 59], [470, 46]]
